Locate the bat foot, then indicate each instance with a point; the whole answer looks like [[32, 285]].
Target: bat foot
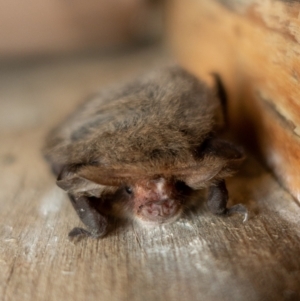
[[78, 234], [238, 208]]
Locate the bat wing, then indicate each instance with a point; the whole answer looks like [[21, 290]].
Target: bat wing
[[70, 181], [219, 159]]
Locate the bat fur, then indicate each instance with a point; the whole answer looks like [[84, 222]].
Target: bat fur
[[143, 149]]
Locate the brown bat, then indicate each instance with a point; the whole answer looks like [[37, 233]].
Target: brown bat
[[143, 149]]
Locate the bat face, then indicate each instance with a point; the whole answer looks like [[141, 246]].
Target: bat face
[[155, 201], [143, 147]]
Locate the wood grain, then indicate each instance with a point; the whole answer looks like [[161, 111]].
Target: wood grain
[[254, 45], [199, 257]]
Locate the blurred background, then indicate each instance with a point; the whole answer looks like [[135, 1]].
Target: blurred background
[[55, 53], [30, 29]]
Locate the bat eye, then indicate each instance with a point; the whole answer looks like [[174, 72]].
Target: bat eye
[[128, 189]]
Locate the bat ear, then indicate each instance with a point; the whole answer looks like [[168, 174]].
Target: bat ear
[[222, 149], [217, 159], [71, 182], [222, 96]]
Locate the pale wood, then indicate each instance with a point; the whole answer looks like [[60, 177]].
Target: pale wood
[[199, 257], [254, 46]]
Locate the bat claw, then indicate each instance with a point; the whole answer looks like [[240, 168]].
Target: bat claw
[[238, 208], [77, 234]]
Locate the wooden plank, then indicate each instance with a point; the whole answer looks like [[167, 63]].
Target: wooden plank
[[199, 257], [254, 45]]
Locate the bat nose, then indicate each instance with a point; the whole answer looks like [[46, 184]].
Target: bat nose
[[163, 208]]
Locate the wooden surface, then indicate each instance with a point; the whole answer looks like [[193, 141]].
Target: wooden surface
[[254, 45], [199, 257]]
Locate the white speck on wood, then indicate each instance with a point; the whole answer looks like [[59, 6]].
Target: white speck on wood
[[52, 201], [185, 224], [30, 241]]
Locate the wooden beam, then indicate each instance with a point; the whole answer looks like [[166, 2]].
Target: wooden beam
[[254, 45]]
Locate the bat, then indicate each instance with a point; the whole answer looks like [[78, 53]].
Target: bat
[[143, 149]]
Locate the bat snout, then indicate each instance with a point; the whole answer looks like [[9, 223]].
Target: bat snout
[[162, 211], [155, 202]]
